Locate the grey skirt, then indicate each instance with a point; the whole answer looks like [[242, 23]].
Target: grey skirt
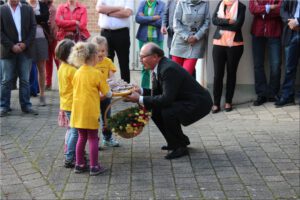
[[40, 49]]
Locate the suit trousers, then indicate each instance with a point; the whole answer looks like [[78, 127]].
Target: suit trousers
[[167, 121], [119, 42], [229, 58]]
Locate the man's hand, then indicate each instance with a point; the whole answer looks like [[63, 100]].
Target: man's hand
[[134, 97], [141, 14], [16, 49], [163, 30], [137, 89], [22, 45], [292, 23]]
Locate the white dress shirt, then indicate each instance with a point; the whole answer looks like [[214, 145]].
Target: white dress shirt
[[16, 14], [113, 23], [297, 13]]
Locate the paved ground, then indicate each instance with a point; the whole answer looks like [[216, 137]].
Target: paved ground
[[249, 153]]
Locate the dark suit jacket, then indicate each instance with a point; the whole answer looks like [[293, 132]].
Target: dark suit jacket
[[175, 85], [287, 11], [9, 34], [223, 24]]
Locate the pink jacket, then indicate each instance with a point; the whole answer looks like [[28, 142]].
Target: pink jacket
[[66, 20]]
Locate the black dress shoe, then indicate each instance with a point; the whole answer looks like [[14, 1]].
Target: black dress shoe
[[30, 111], [259, 101], [215, 110], [176, 153], [284, 102], [165, 147]]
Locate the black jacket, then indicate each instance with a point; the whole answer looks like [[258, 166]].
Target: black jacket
[[223, 24], [9, 33], [43, 18], [176, 86], [287, 11]]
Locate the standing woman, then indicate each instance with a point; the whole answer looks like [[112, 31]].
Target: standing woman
[[149, 16], [228, 47], [71, 20], [191, 23], [52, 44], [40, 47]]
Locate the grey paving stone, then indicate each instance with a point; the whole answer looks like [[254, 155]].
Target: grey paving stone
[[73, 195], [214, 194]]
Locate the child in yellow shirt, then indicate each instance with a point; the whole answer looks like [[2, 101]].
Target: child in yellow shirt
[[88, 83], [107, 67], [66, 73]]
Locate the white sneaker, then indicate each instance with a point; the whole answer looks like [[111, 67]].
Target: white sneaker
[[110, 143]]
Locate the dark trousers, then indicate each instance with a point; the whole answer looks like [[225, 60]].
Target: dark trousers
[[228, 57], [292, 56], [119, 42], [262, 87], [103, 106], [167, 121]]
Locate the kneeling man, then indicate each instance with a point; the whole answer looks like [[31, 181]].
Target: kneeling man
[[176, 98]]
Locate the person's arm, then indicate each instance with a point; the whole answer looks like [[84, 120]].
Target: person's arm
[[140, 18], [5, 41], [237, 25], [284, 11], [83, 19], [179, 27], [115, 11], [165, 17], [61, 22], [275, 9], [205, 26], [257, 9], [31, 36], [43, 18]]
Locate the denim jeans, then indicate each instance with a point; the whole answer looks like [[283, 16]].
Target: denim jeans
[[71, 141], [273, 45], [103, 105], [292, 55], [18, 64]]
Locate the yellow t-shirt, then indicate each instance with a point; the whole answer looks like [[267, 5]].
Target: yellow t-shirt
[[65, 77], [87, 84], [105, 66]]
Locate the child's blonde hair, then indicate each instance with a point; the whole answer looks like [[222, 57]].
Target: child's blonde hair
[[82, 52], [99, 40]]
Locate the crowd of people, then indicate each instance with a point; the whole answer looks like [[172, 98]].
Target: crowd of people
[[36, 33]]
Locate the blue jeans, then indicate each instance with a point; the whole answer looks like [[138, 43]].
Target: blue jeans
[[71, 141], [292, 55], [18, 64], [259, 44], [103, 105]]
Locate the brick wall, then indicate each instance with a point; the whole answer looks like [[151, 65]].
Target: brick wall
[[92, 13]]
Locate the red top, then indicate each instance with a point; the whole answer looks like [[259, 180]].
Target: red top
[[265, 24], [66, 20]]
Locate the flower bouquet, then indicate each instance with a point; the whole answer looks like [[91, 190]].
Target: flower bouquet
[[130, 122]]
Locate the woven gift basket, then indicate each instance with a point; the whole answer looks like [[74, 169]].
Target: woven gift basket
[[127, 123]]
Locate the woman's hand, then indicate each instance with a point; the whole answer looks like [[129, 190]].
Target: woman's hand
[[192, 40]]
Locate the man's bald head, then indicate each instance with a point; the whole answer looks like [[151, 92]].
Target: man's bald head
[[152, 48]]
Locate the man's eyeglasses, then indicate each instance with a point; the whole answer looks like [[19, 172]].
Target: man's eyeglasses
[[145, 56]]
